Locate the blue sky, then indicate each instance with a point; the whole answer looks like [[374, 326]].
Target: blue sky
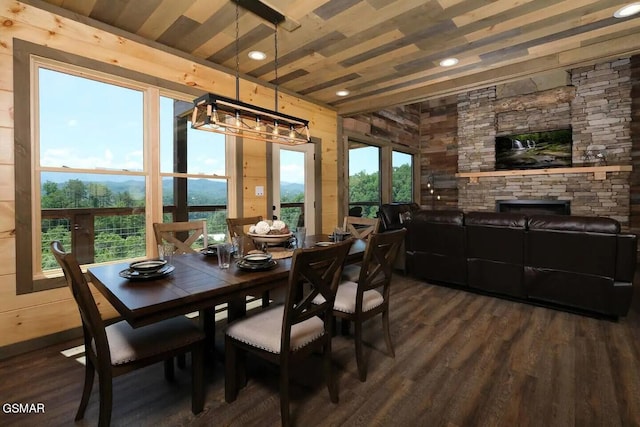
[[75, 109], [92, 125]]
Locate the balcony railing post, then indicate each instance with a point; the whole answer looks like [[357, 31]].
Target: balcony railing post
[[82, 240]]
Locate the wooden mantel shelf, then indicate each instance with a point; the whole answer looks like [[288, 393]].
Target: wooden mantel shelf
[[599, 172]]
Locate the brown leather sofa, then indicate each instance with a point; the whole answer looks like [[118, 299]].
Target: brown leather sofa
[[495, 252], [582, 264], [435, 245]]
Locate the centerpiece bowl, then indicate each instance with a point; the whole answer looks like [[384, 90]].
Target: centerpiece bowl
[[271, 239]]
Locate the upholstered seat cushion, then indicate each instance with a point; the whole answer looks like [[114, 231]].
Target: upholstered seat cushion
[[264, 330], [351, 273], [127, 344], [346, 298]]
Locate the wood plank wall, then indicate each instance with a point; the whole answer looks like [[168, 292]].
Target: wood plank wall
[[397, 125], [38, 314], [439, 152]]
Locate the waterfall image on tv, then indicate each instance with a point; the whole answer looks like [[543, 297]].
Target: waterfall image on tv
[[534, 150]]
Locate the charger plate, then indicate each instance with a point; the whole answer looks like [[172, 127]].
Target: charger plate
[[254, 266], [132, 274]]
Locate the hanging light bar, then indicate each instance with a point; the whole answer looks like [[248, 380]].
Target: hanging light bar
[[218, 114], [233, 117]]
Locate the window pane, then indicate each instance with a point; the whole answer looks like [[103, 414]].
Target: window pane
[[98, 217], [207, 199], [206, 192], [364, 178], [292, 188], [205, 151], [88, 124], [401, 177]]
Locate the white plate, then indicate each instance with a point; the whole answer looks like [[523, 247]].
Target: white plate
[[324, 244], [257, 258]]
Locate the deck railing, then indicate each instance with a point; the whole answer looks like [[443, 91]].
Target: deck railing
[[106, 234]]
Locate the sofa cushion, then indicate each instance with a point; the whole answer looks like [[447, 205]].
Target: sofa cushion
[[574, 223], [439, 217], [496, 219]]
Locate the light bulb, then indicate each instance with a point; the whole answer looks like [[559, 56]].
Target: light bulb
[[275, 127], [214, 116], [438, 197], [258, 127], [292, 132], [431, 191], [238, 122]]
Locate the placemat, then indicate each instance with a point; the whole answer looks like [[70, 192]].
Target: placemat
[[276, 253]]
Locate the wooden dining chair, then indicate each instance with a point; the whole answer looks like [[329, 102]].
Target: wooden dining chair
[[182, 235], [369, 296], [118, 348], [286, 334], [361, 228], [240, 227]]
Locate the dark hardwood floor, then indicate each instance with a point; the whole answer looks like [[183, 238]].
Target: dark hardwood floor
[[461, 360]]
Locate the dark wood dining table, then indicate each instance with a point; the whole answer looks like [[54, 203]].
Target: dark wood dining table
[[196, 284]]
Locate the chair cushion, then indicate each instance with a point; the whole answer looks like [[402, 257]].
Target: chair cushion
[[264, 330], [346, 298], [351, 273], [127, 344]]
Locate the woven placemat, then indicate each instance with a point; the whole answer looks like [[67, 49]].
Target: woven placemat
[[276, 253]]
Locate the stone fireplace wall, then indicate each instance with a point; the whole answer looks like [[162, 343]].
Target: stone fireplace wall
[[597, 107]]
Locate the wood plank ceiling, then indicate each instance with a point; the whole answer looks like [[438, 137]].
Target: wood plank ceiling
[[384, 52]]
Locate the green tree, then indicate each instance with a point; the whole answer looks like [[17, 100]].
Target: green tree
[[401, 183]]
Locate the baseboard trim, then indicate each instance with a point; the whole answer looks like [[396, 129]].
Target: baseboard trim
[[22, 347]]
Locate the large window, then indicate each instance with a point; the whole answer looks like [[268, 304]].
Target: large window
[[84, 126], [364, 180], [99, 179], [401, 177], [188, 159], [379, 172]]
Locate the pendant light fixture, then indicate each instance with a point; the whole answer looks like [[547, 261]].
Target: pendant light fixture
[[228, 116]]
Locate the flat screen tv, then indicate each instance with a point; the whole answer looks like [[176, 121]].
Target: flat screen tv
[[534, 150]]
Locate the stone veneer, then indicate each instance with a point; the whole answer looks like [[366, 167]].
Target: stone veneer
[[600, 116]]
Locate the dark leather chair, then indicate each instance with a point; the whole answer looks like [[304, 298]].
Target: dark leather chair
[[580, 262], [289, 333], [495, 252], [118, 348], [435, 245], [390, 214]]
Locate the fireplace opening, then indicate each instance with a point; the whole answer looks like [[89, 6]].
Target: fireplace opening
[[532, 207]]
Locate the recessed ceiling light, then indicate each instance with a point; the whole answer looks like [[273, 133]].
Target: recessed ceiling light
[[628, 10], [449, 62], [257, 55], [342, 92]]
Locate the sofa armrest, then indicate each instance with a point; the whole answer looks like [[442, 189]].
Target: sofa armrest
[[627, 248]]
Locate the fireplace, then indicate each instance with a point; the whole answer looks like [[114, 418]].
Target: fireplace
[[553, 207]]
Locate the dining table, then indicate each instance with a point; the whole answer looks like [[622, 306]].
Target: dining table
[[196, 283]]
